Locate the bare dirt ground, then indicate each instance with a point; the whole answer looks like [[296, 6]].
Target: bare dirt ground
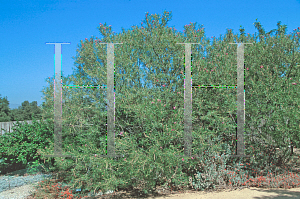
[[245, 193]]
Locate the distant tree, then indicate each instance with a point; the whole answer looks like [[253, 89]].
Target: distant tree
[[35, 110], [28, 111], [4, 110], [17, 114]]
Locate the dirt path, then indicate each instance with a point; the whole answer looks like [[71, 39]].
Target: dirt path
[[19, 192], [238, 193], [246, 193]]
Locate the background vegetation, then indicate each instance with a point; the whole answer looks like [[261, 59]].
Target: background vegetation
[[28, 111]]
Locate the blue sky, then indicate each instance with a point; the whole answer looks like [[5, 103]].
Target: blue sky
[[26, 61]]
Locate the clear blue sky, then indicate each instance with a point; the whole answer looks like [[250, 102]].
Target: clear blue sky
[[26, 61]]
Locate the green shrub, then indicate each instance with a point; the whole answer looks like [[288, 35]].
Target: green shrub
[[19, 147]]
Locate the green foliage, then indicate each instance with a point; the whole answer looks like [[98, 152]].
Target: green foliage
[[150, 130], [16, 148], [28, 111], [21, 145], [4, 110]]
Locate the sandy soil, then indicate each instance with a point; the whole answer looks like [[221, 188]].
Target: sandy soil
[[238, 193], [246, 193]]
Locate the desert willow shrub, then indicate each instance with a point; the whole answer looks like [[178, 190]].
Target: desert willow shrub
[[149, 131]]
